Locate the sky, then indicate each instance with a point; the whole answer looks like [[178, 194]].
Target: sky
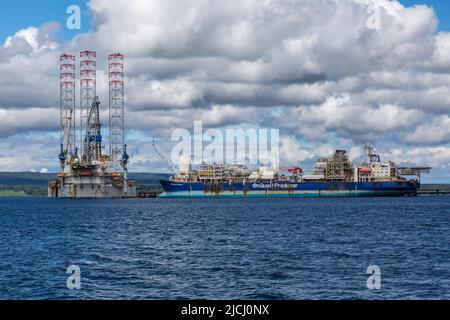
[[319, 71], [441, 7], [17, 15]]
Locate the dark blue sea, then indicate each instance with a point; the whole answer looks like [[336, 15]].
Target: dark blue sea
[[225, 248]]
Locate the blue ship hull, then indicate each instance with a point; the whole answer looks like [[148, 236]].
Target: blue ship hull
[[287, 189]]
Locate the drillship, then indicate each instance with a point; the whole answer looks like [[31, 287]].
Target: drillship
[[333, 176]]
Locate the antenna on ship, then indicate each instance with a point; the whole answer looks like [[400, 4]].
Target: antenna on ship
[[368, 150]]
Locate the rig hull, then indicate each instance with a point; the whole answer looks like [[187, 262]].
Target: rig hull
[[97, 187], [287, 189]]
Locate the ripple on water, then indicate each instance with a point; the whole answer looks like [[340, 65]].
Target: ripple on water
[[225, 248]]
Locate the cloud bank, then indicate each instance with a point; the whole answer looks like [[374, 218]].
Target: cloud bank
[[313, 69]]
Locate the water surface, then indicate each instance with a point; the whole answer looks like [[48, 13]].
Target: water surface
[[225, 248]]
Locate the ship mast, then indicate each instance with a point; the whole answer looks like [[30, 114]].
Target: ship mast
[[368, 151]]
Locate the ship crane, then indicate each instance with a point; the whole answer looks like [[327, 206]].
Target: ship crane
[[168, 163]]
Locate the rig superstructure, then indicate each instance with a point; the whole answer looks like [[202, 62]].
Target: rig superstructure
[[88, 172]]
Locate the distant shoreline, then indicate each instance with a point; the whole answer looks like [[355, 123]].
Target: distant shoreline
[[22, 184], [10, 193]]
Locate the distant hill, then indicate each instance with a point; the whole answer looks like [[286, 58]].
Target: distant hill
[[41, 179], [25, 178], [148, 178]]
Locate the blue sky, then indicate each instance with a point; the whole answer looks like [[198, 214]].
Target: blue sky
[[19, 14]]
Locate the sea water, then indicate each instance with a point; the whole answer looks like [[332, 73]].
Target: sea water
[[225, 248]]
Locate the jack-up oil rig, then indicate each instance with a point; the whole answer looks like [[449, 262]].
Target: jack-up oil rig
[[92, 174]]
